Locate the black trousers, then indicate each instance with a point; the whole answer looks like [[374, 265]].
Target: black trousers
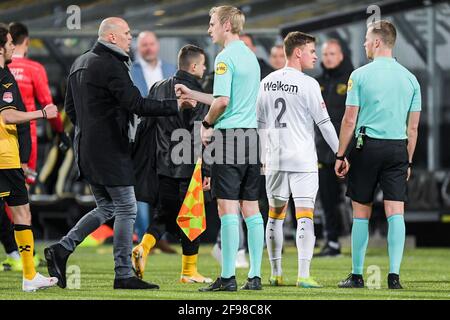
[[329, 191], [171, 195], [6, 231]]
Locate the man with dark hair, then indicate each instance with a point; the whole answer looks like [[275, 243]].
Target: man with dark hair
[[174, 178], [333, 84], [383, 112], [277, 57], [33, 84], [12, 180], [32, 80], [100, 101]]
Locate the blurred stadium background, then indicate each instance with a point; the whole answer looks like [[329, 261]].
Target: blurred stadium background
[[423, 46]]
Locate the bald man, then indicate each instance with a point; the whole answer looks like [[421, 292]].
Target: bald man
[[100, 101], [333, 84], [148, 68]]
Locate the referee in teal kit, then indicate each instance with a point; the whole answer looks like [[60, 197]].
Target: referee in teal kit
[[383, 103], [232, 115]]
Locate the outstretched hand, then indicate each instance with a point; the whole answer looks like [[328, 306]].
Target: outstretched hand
[[182, 92], [50, 111]]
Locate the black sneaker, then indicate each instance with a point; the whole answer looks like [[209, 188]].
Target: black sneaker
[[328, 251], [221, 284], [56, 257], [394, 281], [252, 284], [352, 281], [134, 283]]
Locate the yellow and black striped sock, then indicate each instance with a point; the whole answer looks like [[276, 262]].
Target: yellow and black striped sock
[[25, 244]]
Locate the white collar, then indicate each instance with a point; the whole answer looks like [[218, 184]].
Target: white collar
[[145, 63]]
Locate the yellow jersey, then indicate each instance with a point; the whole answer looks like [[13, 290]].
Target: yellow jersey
[[9, 142]]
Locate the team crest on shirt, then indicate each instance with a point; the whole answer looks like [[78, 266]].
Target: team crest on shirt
[[8, 97], [341, 89], [7, 85], [221, 68], [349, 85]]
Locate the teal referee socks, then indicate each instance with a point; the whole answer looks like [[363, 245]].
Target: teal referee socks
[[396, 242], [255, 237], [360, 240], [229, 228], [395, 238]]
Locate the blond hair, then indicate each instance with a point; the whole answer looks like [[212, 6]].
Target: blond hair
[[385, 30], [232, 14]]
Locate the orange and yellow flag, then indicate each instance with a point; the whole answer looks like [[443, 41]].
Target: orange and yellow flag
[[192, 217]]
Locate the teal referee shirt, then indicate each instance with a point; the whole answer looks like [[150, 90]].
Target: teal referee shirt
[[237, 75], [385, 93]]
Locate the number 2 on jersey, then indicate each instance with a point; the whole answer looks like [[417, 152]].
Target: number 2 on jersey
[[278, 123]]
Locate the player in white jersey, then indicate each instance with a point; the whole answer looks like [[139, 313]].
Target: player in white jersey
[[289, 105]]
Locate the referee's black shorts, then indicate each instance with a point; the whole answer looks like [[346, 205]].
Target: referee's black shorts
[[380, 162], [12, 187], [237, 175]]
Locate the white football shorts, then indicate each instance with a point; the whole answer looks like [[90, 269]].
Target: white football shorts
[[302, 185]]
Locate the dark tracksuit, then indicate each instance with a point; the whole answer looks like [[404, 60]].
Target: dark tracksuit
[[174, 178]]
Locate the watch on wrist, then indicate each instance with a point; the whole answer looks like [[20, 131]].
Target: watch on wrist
[[342, 158], [206, 124]]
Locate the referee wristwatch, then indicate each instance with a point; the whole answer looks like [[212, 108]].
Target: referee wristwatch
[[342, 158], [206, 124]]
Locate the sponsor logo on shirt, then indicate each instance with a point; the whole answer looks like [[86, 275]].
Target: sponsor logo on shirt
[[349, 85], [8, 97], [280, 86], [341, 89], [221, 68]]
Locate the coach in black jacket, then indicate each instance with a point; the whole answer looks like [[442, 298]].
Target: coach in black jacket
[[100, 101], [333, 84], [174, 176]]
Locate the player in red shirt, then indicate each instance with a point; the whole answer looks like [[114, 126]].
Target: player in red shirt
[[33, 85], [32, 80]]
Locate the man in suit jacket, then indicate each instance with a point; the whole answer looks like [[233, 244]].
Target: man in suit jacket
[[100, 101], [148, 68]]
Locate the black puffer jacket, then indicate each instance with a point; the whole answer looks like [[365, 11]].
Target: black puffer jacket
[[333, 84]]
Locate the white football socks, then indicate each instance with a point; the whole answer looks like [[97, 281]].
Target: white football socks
[[274, 241], [305, 241]]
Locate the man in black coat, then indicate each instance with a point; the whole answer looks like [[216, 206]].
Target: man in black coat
[[174, 175], [333, 84], [100, 102]]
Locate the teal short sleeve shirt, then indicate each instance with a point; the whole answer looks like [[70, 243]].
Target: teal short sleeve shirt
[[385, 93], [237, 76]]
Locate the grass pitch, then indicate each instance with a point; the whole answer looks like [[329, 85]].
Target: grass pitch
[[425, 275]]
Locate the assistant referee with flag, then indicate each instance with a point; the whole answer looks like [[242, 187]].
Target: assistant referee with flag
[[383, 103]]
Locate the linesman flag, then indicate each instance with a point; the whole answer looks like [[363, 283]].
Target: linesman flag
[[192, 218]]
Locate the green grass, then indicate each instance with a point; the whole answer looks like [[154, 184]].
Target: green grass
[[425, 275]]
